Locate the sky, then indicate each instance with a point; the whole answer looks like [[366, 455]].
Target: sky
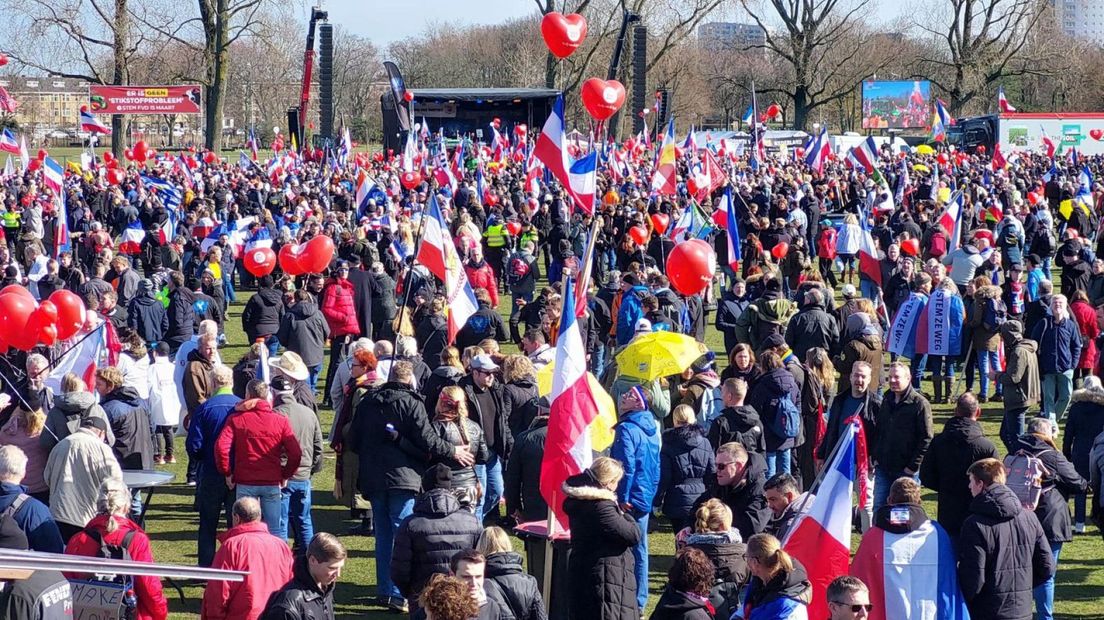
[[385, 21]]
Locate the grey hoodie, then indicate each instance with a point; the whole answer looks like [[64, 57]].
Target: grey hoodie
[[65, 418]]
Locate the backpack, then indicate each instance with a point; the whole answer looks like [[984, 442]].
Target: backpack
[[15, 506], [1008, 238], [938, 244], [712, 404], [786, 422], [995, 315], [128, 603], [1046, 241], [1025, 477], [675, 313], [517, 269]]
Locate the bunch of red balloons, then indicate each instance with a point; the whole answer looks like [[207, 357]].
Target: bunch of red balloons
[[25, 323], [313, 256]]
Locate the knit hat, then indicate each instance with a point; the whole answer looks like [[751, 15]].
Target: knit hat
[[703, 363], [633, 400], [438, 476]]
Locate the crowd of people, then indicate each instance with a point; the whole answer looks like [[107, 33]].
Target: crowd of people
[[438, 439]]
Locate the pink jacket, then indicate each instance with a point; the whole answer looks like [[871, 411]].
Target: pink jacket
[[247, 547]]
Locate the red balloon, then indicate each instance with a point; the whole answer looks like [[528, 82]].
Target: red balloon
[[108, 156], [780, 250], [140, 149], [981, 149], [639, 234], [1032, 198], [70, 310], [115, 176], [602, 98], [129, 154], [521, 130], [317, 254], [774, 110], [763, 117], [1096, 134], [3, 59], [910, 247], [410, 180], [563, 34], [17, 290], [942, 158], [43, 153], [291, 256], [15, 314], [513, 227], [800, 151], [259, 261], [48, 335], [660, 221], [408, 96], [48, 311], [210, 158], [691, 266]]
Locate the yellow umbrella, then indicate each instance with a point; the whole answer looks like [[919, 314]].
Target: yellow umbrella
[[659, 354], [924, 149], [921, 168], [601, 431]]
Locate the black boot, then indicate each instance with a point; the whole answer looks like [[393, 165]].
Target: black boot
[[937, 383], [947, 396]]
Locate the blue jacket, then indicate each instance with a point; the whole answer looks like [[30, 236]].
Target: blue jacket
[[1059, 344], [629, 313], [636, 445], [207, 423], [34, 518]]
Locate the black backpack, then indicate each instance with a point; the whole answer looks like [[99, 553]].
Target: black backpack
[[128, 603]]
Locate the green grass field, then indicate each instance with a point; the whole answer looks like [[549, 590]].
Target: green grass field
[[172, 523]]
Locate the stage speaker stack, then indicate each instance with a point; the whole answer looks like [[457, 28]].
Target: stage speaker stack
[[639, 76], [325, 82]]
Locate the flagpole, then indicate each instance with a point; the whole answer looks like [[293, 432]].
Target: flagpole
[[408, 281], [810, 491]]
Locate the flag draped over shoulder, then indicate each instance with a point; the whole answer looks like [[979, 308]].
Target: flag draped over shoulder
[[939, 329], [567, 451], [901, 338]]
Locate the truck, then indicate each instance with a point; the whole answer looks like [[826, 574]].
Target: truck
[[1023, 131]]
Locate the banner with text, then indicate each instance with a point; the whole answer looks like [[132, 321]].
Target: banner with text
[[183, 99]]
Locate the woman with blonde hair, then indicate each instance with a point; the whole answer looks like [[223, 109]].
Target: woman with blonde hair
[[506, 582], [816, 399], [112, 526], [449, 372], [711, 532], [601, 582], [519, 392], [22, 430], [779, 588], [451, 423], [75, 403]]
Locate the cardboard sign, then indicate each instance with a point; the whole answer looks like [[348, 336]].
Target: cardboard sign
[[97, 600]]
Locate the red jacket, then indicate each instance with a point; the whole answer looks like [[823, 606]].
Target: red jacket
[[339, 309], [255, 434], [247, 547], [151, 601], [1085, 315], [483, 277]]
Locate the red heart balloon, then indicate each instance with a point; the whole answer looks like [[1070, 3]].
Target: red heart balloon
[[780, 250], [639, 234], [513, 227], [1096, 134], [602, 98], [115, 176], [410, 180], [691, 265], [563, 34], [317, 254], [773, 110], [259, 261], [660, 221], [47, 335], [70, 311], [910, 247], [15, 314], [290, 259]]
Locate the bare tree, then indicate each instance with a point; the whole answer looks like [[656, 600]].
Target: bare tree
[[821, 44], [984, 43]]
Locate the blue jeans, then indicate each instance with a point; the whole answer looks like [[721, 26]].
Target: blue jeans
[[883, 479], [598, 360], [312, 379], [1079, 505], [228, 287], [490, 479], [295, 513], [988, 362], [213, 500], [1012, 426], [778, 462], [941, 365], [271, 506], [1057, 388], [918, 362], [869, 291], [1044, 594], [389, 508], [273, 344], [640, 567]]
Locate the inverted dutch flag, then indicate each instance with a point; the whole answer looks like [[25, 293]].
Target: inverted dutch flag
[[89, 123], [1002, 101], [865, 155], [551, 150], [1049, 144], [732, 227], [261, 238], [951, 220], [818, 151], [53, 174], [62, 241], [868, 253], [213, 237], [83, 359], [130, 242], [901, 337], [8, 143], [438, 253], [567, 450]]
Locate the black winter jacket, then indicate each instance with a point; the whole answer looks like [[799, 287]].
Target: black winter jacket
[[428, 538], [516, 592], [181, 317], [905, 431], [1059, 482], [812, 327], [729, 311], [441, 378], [601, 585], [300, 598], [764, 397], [740, 424], [304, 330], [1002, 554], [432, 336], [747, 500], [728, 555], [961, 444], [499, 439], [394, 459], [148, 317], [522, 477], [836, 418], [675, 605], [485, 323], [519, 403], [461, 476], [262, 314], [685, 461], [130, 422], [1084, 422]]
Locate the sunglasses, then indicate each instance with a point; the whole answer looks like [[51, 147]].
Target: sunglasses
[[856, 608]]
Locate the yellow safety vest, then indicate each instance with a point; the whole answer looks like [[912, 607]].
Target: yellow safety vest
[[11, 219], [495, 236]]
